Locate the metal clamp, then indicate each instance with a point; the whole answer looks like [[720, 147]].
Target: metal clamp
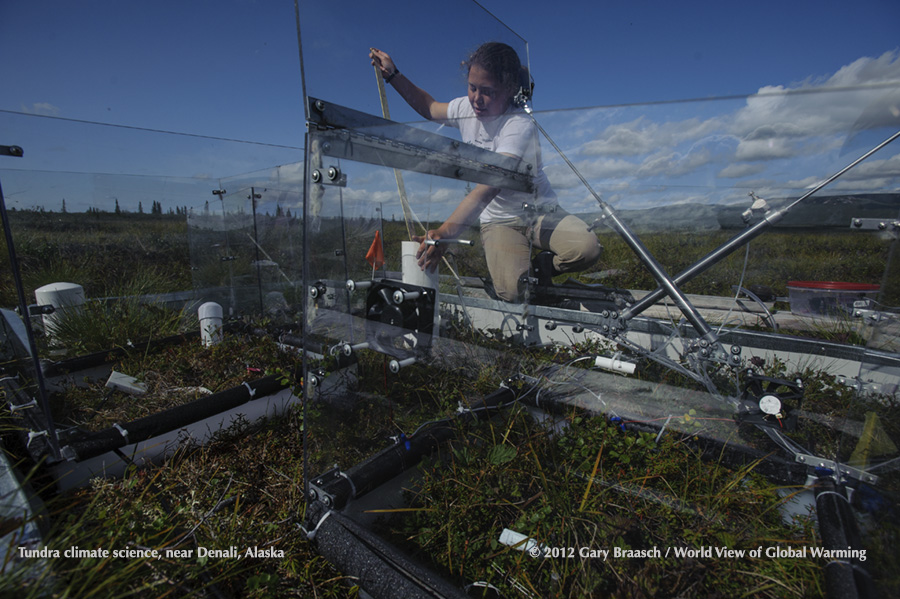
[[843, 469]]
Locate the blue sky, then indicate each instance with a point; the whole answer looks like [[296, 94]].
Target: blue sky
[[203, 91]]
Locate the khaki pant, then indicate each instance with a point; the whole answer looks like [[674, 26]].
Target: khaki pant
[[508, 245]]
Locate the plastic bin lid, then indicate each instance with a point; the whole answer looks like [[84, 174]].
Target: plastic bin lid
[[833, 286]]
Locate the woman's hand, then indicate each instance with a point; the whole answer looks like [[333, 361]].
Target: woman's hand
[[429, 255], [383, 61]]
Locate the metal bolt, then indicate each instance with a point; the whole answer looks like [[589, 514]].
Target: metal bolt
[[333, 173], [857, 222], [320, 105], [316, 176]]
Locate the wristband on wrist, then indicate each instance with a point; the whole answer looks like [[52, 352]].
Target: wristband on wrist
[[392, 75]]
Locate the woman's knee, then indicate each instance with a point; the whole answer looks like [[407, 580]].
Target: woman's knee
[[579, 251]]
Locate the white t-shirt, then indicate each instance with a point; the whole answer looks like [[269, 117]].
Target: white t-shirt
[[510, 133]]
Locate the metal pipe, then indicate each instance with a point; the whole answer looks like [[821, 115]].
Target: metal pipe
[[643, 254], [752, 232], [23, 308]]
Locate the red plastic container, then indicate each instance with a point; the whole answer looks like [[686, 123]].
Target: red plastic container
[[829, 298]]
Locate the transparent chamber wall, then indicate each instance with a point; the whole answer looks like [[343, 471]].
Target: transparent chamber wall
[[114, 191], [684, 178]]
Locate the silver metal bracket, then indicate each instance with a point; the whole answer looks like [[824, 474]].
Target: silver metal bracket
[[329, 176], [843, 470], [358, 136], [714, 351], [318, 487], [876, 224]]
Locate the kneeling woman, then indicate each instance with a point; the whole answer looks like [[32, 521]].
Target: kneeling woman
[[487, 118]]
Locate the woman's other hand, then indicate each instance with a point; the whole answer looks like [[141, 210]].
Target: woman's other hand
[[383, 61]]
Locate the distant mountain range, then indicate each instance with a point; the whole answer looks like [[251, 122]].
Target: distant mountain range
[[816, 212]]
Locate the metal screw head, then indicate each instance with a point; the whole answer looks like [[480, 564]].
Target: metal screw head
[[316, 176], [333, 173], [320, 105]]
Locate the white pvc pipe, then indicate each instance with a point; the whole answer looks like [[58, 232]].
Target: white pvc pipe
[[210, 315], [412, 272], [414, 275], [614, 364]]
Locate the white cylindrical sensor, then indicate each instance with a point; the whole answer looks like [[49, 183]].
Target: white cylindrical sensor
[[64, 297], [210, 315]]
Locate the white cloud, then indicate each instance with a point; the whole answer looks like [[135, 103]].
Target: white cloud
[[854, 97], [643, 135], [41, 108]]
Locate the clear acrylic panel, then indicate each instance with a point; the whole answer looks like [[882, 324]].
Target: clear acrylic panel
[[336, 40], [739, 209], [246, 250], [125, 134]]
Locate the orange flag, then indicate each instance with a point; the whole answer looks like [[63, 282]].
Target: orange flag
[[375, 255]]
